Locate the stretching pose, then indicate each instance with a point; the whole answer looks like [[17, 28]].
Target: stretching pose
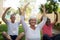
[[47, 29], [12, 26], [32, 32]]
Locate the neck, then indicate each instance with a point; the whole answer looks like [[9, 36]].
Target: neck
[[47, 24], [33, 27], [12, 21]]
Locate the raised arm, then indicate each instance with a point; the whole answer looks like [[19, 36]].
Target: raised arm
[[20, 13], [25, 26], [4, 14], [56, 19], [22, 17], [43, 21], [24, 9]]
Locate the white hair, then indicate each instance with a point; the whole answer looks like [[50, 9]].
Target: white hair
[[12, 14], [32, 17]]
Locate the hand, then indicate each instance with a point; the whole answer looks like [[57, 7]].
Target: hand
[[20, 12], [43, 8], [18, 9], [27, 4], [8, 8]]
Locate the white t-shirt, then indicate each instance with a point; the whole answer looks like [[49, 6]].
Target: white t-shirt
[[13, 28], [31, 34]]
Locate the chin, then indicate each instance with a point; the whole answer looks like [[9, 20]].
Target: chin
[[33, 24]]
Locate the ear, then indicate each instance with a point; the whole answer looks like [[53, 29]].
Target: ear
[[29, 21]]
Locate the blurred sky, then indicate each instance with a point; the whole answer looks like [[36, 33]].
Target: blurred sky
[[35, 4]]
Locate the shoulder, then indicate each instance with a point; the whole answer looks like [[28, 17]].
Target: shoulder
[[8, 21], [44, 26], [52, 23]]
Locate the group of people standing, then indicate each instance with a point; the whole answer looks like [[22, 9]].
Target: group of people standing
[[31, 31]]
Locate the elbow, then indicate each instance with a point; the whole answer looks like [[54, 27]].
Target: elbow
[[3, 18], [56, 20]]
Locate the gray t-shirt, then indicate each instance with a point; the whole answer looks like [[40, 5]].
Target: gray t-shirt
[[13, 28]]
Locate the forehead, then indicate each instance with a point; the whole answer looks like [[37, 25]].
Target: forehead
[[12, 15], [33, 19], [48, 19]]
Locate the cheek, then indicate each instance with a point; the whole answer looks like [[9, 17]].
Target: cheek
[[49, 22], [14, 18], [33, 22]]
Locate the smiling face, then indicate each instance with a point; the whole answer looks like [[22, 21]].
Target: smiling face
[[48, 21], [32, 22]]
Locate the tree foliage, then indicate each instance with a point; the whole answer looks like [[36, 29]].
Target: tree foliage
[[50, 6]]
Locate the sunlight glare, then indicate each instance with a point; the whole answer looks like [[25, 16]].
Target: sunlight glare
[[11, 3]]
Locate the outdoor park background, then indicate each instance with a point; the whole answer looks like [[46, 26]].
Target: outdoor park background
[[31, 10]]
